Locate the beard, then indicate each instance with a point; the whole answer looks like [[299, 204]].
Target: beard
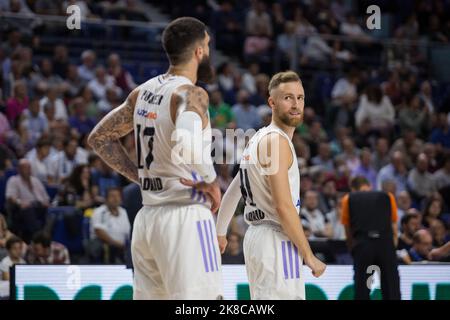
[[205, 72], [291, 122]]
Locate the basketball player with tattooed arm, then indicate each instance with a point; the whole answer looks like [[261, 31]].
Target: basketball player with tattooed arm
[[174, 247]]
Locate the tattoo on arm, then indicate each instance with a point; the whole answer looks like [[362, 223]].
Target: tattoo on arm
[[105, 140], [197, 100]]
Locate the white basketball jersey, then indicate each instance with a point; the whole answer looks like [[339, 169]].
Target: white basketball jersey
[[255, 190], [159, 173]]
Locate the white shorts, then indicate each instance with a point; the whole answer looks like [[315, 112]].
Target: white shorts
[[274, 265], [176, 254]]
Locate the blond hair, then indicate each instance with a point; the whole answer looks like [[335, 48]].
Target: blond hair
[[283, 77]]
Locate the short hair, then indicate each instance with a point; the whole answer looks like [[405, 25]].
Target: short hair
[[12, 241], [179, 36], [357, 182], [111, 189], [283, 77], [408, 217], [43, 142], [42, 238]]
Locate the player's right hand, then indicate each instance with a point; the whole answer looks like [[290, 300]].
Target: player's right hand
[[317, 266], [222, 243], [211, 191]]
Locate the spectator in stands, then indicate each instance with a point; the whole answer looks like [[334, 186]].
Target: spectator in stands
[[316, 50], [35, 120], [430, 150], [262, 90], [88, 99], [376, 109], [422, 245], [353, 30], [14, 247], [439, 233], [389, 186], [258, 22], [441, 133], [432, 211], [45, 251], [39, 160], [221, 115], [79, 120], [442, 176], [344, 96], [392, 87], [46, 74], [28, 201], [62, 164], [249, 78], [123, 79], [109, 102], [409, 145], [87, 68], [110, 228], [103, 179], [311, 213], [426, 95], [395, 170], [72, 82], [246, 114], [420, 182], [350, 154], [76, 190], [5, 234], [302, 26], [226, 22], [5, 128], [101, 82], [60, 60], [323, 158], [51, 98], [288, 46], [404, 203], [18, 102], [414, 116], [328, 195], [410, 224], [334, 219], [233, 253], [365, 168], [259, 31], [314, 135], [226, 79]]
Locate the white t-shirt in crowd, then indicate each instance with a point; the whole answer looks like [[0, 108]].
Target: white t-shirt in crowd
[[117, 227]]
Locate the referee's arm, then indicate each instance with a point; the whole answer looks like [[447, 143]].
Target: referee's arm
[[345, 220], [394, 218]]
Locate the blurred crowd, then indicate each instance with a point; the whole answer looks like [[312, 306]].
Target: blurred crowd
[[388, 122]]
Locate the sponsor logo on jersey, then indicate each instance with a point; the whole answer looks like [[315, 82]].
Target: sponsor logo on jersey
[[147, 114]]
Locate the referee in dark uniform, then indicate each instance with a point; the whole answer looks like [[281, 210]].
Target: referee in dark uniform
[[370, 219]]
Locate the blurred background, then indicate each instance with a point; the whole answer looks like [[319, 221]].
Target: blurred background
[[377, 105]]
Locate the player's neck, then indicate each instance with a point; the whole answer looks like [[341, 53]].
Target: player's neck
[[184, 70], [286, 129]]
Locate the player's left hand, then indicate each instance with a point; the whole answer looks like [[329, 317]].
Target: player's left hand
[[222, 243], [211, 191]]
